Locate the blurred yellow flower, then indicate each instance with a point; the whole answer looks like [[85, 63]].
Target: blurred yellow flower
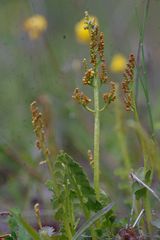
[[118, 63], [35, 26], [82, 34]]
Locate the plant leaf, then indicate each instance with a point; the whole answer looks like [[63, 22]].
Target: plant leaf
[[79, 179]]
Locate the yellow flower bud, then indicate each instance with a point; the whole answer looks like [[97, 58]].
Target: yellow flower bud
[[118, 63], [35, 26]]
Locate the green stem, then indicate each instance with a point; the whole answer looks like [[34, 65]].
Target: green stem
[[67, 214], [121, 134], [145, 159], [67, 228], [50, 168], [96, 138], [89, 109], [146, 93], [69, 208], [103, 108], [147, 208], [144, 82], [136, 117]]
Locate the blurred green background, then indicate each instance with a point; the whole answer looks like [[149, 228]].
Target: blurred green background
[[48, 69]]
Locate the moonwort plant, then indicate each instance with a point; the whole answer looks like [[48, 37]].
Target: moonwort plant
[[95, 76], [148, 145], [130, 105]]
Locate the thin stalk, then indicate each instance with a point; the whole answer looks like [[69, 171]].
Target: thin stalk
[[67, 215], [145, 158], [69, 208], [96, 138], [50, 168], [138, 218], [104, 107], [121, 134], [145, 82], [124, 150], [146, 92], [136, 117], [89, 109], [147, 207], [133, 208], [67, 228]]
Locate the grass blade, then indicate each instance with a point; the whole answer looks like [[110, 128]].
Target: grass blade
[[31, 231], [92, 220]]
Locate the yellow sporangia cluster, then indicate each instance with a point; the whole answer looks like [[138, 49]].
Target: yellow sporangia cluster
[[39, 128], [127, 83], [98, 68], [35, 26], [83, 35]]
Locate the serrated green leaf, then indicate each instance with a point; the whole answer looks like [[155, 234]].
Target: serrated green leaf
[[78, 177]]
